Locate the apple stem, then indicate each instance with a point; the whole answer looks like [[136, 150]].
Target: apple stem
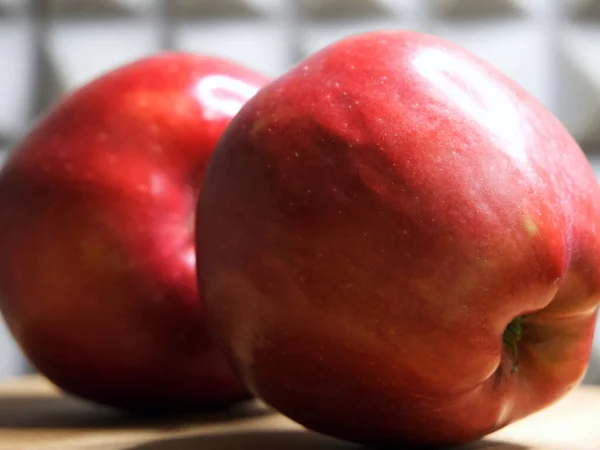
[[511, 337]]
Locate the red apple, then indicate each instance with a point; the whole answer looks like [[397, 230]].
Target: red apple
[[97, 260], [398, 244]]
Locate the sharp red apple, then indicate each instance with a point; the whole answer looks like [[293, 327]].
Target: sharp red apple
[[97, 260], [400, 245]]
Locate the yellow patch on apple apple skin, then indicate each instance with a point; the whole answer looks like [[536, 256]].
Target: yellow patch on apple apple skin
[[258, 126], [281, 115], [530, 225]]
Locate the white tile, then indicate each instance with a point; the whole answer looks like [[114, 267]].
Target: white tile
[[12, 362], [260, 46], [518, 48], [319, 35], [16, 76], [579, 94], [82, 50]]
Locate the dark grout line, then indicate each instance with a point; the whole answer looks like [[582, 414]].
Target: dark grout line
[[166, 23]]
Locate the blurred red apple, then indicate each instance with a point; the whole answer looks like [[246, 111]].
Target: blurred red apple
[[97, 260], [398, 244]]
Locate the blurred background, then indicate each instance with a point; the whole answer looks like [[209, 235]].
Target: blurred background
[[49, 47]]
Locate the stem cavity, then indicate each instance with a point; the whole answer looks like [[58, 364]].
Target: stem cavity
[[511, 337]]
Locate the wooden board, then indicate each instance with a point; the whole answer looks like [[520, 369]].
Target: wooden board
[[33, 415]]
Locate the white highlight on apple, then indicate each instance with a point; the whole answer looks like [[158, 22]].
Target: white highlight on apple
[[487, 103], [223, 95]]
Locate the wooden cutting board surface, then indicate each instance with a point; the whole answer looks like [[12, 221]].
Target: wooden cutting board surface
[[33, 415]]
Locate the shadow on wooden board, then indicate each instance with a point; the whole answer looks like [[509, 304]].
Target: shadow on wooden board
[[284, 440]]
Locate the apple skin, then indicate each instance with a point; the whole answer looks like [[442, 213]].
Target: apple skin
[[97, 259], [373, 220]]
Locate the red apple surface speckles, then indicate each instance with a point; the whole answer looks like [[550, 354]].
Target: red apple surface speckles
[[97, 258], [400, 245]]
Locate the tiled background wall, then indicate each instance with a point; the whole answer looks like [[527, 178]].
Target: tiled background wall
[[47, 47]]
